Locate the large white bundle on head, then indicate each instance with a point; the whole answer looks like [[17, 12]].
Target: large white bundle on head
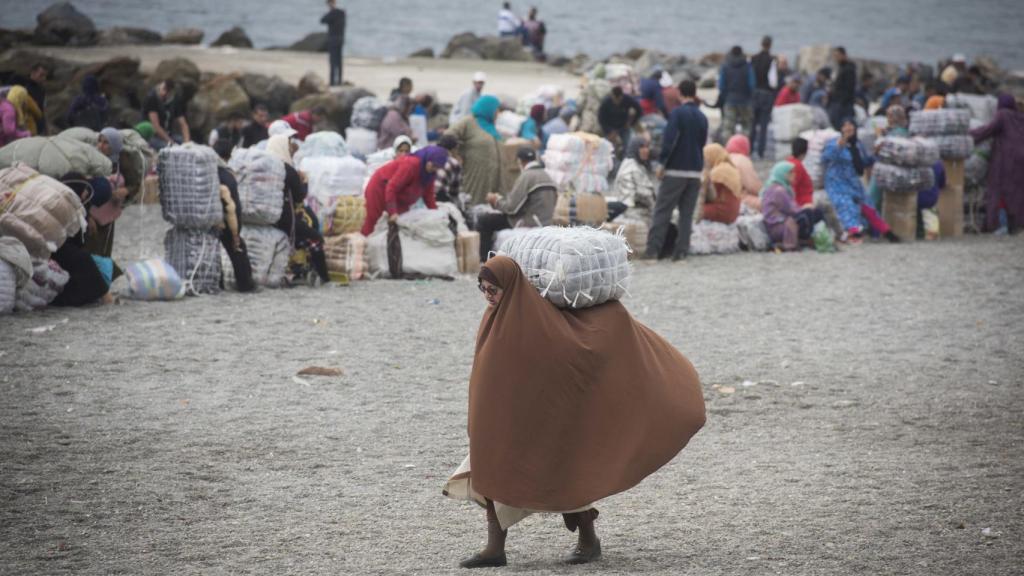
[[189, 186], [945, 122], [580, 161], [908, 152], [572, 267], [320, 144], [260, 179]]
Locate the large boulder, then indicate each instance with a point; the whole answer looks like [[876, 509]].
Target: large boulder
[[235, 37], [650, 60], [188, 36], [313, 42], [271, 91], [215, 101], [63, 25], [469, 46], [126, 35], [338, 103], [183, 71], [423, 53], [814, 58], [712, 60], [311, 83], [120, 79], [12, 38]]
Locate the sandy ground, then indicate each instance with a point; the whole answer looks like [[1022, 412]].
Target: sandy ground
[[865, 417], [449, 78]]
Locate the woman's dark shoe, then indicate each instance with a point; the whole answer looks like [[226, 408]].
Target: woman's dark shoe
[[581, 555], [481, 561], [892, 237]]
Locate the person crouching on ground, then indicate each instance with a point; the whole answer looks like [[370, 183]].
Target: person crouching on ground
[[530, 203], [89, 276], [557, 436], [296, 220], [787, 223], [399, 184]]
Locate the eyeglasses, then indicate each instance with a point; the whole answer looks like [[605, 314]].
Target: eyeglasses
[[489, 290]]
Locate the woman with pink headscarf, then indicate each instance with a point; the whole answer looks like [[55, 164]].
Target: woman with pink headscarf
[[738, 148]]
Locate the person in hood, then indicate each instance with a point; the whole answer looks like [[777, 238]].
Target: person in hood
[[89, 275], [89, 109], [28, 112], [1005, 193], [736, 93]]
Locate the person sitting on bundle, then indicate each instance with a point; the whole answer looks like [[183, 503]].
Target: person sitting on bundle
[[722, 190], [530, 203], [399, 184]]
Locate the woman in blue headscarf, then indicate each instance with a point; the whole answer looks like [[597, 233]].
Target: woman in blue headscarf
[[480, 148], [399, 184]]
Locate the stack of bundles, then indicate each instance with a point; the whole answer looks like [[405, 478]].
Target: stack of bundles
[[982, 108], [346, 254], [903, 169], [816, 141], [788, 122], [368, 112], [428, 245], [580, 160], [15, 271], [361, 142], [190, 200], [48, 280], [509, 124], [55, 157], [268, 249], [572, 267], [318, 145], [330, 180], [634, 230], [38, 210], [948, 128], [714, 238], [903, 179], [349, 214]]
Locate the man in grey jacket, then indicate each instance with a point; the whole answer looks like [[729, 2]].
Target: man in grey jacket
[[531, 202]]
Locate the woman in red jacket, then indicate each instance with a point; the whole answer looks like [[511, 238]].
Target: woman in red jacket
[[397, 185]]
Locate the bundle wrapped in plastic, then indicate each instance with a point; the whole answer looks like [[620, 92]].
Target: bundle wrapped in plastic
[[573, 267], [954, 147], [320, 144], [347, 254], [816, 141], [942, 122], [509, 123], [361, 142], [891, 178], [580, 161], [153, 279], [714, 238], [504, 236], [549, 95], [189, 186], [377, 159], [8, 287], [38, 210], [269, 250], [976, 166], [909, 152], [260, 179], [982, 107], [428, 245], [195, 255], [575, 209], [368, 112], [753, 234], [48, 280], [331, 179], [349, 214], [791, 120]]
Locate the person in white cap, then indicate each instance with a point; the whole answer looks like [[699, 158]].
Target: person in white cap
[[276, 127], [464, 106]]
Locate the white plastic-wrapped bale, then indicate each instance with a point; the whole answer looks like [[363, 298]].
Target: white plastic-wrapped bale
[[48, 280], [428, 245], [976, 167], [8, 287], [791, 120], [509, 124], [943, 122], [909, 152], [361, 142], [368, 112], [580, 161], [195, 256], [189, 186], [753, 234], [260, 179], [890, 178], [320, 144], [503, 236], [346, 254], [982, 107], [714, 238], [330, 179], [954, 147], [816, 141], [269, 250], [572, 267], [377, 159], [38, 210]]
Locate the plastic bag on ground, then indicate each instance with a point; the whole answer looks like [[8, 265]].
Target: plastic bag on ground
[[153, 279]]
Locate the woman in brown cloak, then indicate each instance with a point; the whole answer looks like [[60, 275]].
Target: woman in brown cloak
[[566, 407]]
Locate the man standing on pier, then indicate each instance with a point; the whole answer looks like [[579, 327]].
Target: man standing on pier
[[335, 20]]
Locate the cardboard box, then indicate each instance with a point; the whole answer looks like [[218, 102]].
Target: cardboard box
[[951, 201], [580, 210], [899, 210], [467, 250]]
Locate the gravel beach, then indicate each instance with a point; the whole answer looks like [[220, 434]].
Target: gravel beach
[[865, 416]]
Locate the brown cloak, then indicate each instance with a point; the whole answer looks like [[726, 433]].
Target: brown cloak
[[567, 407]]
